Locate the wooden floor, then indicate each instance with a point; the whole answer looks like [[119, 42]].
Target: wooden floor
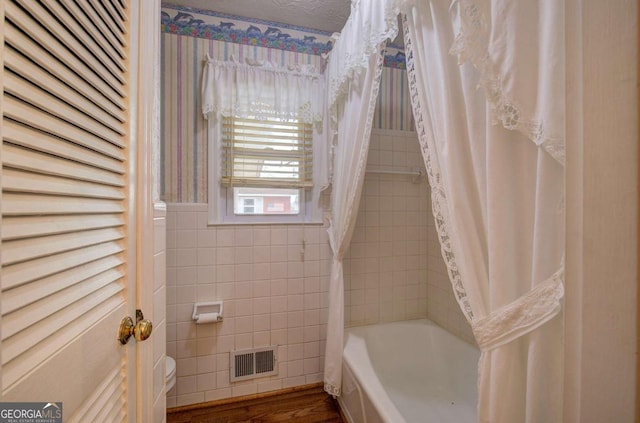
[[309, 406]]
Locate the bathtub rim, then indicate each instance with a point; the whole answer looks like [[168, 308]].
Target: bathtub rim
[[384, 406]]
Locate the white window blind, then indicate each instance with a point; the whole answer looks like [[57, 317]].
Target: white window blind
[[267, 152]]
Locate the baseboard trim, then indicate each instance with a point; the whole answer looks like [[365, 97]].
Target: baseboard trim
[[227, 401]]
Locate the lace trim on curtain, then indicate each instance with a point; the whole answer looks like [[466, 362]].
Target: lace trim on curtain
[[471, 45], [370, 38], [438, 195], [521, 316], [331, 390], [362, 161], [260, 113], [329, 387]]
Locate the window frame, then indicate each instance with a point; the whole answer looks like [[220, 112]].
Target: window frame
[[220, 198]]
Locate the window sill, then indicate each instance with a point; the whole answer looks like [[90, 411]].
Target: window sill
[[258, 223]]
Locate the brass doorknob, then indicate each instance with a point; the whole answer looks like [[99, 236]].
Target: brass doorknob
[[140, 331]]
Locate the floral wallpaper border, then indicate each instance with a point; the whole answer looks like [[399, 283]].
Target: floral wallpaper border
[[254, 32]]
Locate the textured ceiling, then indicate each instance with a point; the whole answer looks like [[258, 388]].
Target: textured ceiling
[[325, 15]]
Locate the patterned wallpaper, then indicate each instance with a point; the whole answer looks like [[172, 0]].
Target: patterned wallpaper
[[189, 35]]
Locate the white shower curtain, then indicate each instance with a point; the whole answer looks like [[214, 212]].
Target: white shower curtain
[[353, 75], [487, 88], [348, 178]]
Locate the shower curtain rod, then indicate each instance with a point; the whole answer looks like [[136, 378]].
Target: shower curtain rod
[[397, 172]]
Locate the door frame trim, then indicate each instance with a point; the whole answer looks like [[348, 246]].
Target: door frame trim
[[145, 89]]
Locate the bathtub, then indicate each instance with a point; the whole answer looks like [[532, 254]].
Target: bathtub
[[412, 371]]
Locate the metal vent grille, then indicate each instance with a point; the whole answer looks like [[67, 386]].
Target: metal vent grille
[[244, 365], [257, 362]]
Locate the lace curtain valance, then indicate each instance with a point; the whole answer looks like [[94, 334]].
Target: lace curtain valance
[[519, 74], [261, 90], [370, 24]]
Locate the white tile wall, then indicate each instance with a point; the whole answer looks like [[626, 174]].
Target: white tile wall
[[273, 295], [386, 266], [394, 269]]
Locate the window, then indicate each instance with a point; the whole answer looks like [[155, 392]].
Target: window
[[267, 164], [248, 206], [262, 121], [272, 201], [266, 170]]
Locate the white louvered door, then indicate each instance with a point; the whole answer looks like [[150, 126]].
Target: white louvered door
[[67, 253]]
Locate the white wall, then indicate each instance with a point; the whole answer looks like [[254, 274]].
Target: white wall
[[602, 212]]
